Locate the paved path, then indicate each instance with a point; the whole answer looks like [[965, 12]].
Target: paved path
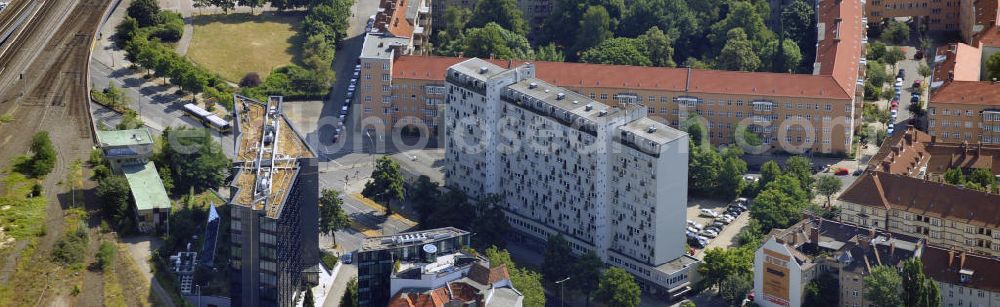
[[139, 249]]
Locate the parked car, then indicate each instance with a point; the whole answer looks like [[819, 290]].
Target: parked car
[[723, 220], [696, 243], [918, 55], [714, 228], [901, 74], [347, 258], [915, 99], [743, 201], [891, 130], [893, 113], [708, 234], [894, 103], [697, 226], [691, 229], [707, 213], [841, 172], [858, 172], [718, 225], [357, 67], [916, 83]]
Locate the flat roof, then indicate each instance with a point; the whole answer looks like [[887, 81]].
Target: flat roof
[[378, 46], [661, 134], [410, 238], [266, 156], [147, 189], [131, 137]]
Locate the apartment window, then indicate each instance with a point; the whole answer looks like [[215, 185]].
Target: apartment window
[[385, 66], [652, 99], [604, 96], [368, 76], [386, 88], [386, 99], [368, 109], [368, 65]]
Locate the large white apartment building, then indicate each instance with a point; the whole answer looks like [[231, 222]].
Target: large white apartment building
[[609, 179]]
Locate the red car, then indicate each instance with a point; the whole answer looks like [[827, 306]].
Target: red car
[[894, 104], [842, 172]]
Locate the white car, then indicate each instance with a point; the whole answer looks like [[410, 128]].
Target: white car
[[708, 234], [893, 113], [357, 67], [708, 213], [723, 220], [691, 229], [357, 74], [697, 226]]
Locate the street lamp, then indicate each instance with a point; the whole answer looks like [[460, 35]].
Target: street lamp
[[560, 283]]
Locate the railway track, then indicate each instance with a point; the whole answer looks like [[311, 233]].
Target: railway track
[[51, 84]]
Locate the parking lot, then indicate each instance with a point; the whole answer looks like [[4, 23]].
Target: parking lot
[[727, 236]]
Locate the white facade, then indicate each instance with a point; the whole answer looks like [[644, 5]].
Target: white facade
[[957, 295], [608, 179], [776, 270]]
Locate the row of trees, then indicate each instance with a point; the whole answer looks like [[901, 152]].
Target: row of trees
[[646, 32], [227, 5], [142, 34]]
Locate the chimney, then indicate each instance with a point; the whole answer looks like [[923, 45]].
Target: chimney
[[510, 63], [687, 81], [814, 235], [961, 263], [951, 257], [892, 248]]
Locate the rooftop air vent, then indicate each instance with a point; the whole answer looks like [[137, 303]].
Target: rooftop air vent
[[576, 101], [651, 129], [588, 107], [532, 85], [602, 113], [560, 96], [483, 70]]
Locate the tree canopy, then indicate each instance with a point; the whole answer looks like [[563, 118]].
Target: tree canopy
[[618, 288], [492, 40], [504, 13], [618, 51], [195, 159], [331, 212], [882, 287], [386, 184], [558, 259], [526, 281], [738, 53]]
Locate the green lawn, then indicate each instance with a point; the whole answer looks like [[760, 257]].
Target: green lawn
[[235, 44]]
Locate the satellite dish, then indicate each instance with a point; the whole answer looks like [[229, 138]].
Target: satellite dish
[[430, 248]]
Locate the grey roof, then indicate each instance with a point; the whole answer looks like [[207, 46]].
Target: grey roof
[[473, 68], [661, 134], [377, 46], [503, 297]]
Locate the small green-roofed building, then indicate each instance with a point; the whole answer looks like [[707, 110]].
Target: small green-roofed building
[[131, 137], [126, 147], [152, 205]]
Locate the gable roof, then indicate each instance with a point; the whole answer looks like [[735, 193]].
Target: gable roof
[[943, 265], [583, 75], [968, 92], [918, 196]]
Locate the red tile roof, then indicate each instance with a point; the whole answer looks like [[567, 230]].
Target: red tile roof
[[968, 92], [582, 75], [839, 53], [838, 56], [914, 195], [986, 12], [960, 63], [393, 19], [944, 265]]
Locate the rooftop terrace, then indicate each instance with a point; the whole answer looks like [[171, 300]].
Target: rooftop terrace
[[410, 238], [267, 152]]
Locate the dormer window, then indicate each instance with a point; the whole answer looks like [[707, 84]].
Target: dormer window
[[965, 275]]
